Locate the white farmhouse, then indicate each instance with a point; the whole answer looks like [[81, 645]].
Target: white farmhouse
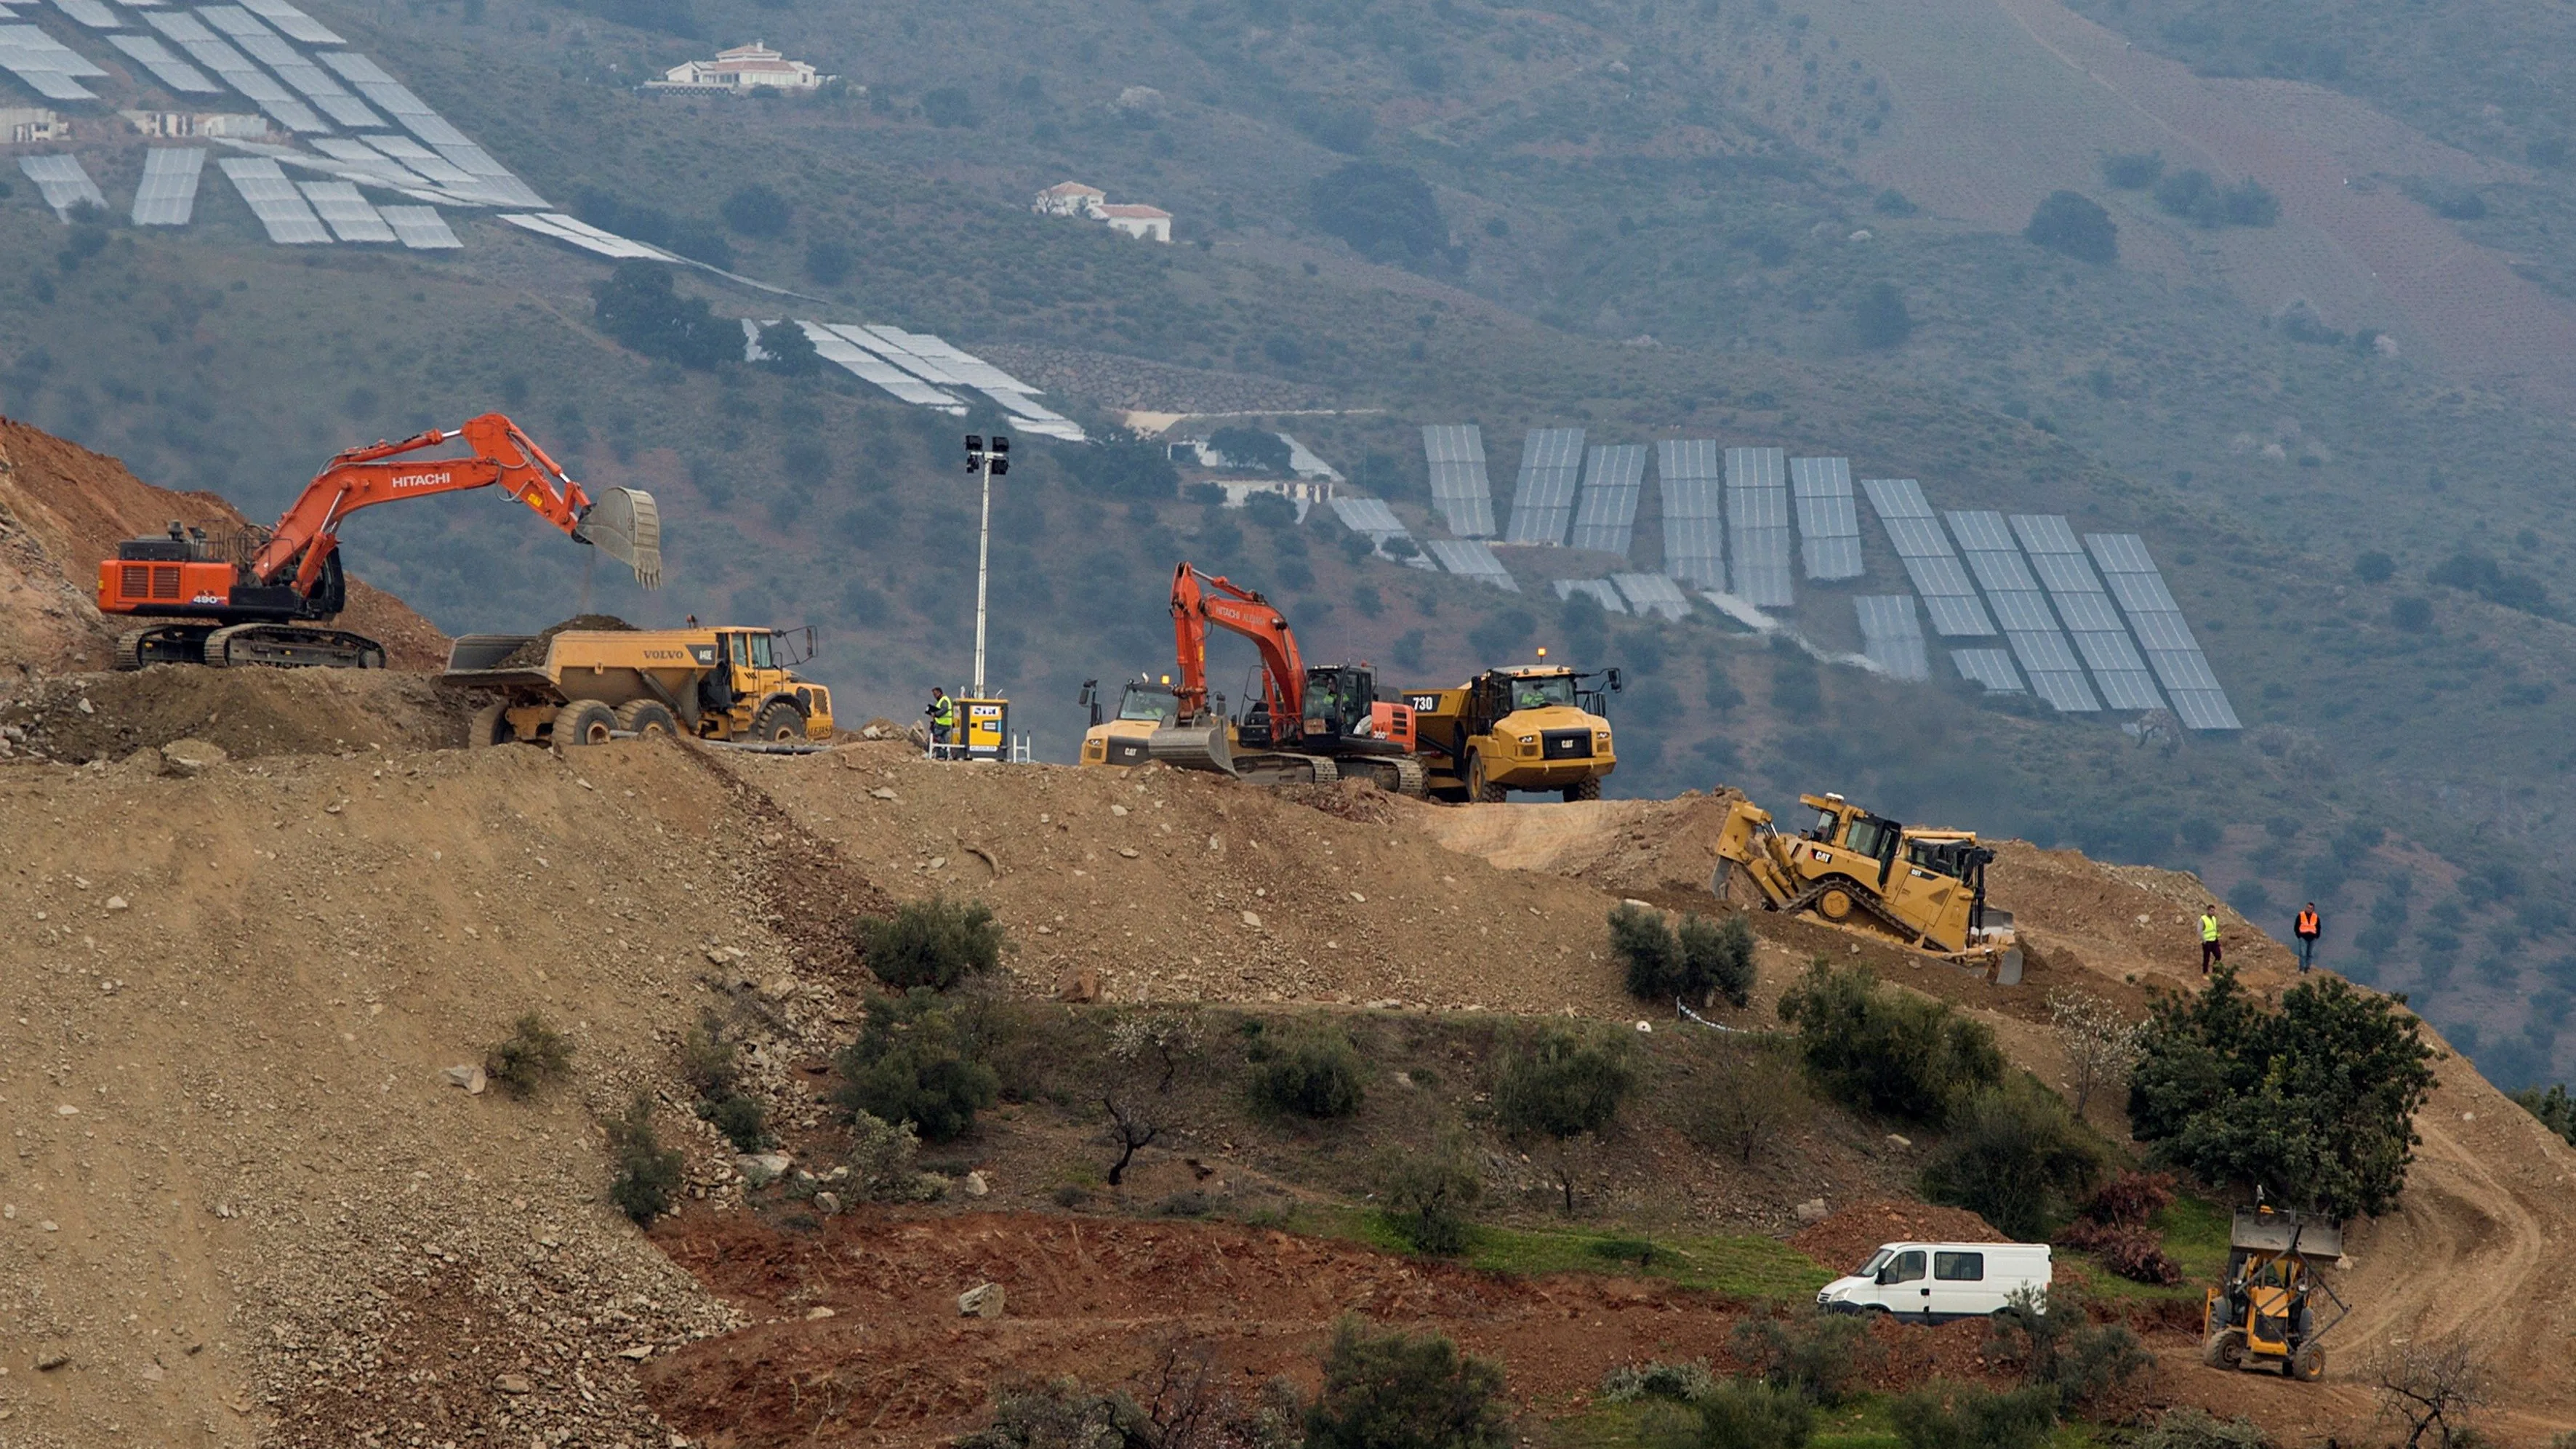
[[744, 68], [1070, 198]]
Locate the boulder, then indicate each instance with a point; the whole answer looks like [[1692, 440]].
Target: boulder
[[1813, 1210], [192, 757], [984, 1300]]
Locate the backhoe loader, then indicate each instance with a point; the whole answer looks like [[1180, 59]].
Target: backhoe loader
[[1523, 727], [589, 686], [1307, 724], [1925, 888], [2263, 1314], [261, 596]]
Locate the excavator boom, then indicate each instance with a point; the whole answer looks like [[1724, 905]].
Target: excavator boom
[[265, 591]]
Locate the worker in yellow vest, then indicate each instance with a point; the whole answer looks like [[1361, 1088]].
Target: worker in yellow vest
[[2209, 950], [943, 721]]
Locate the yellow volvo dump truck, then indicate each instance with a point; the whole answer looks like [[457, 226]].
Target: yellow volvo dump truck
[[1526, 727], [1143, 707], [589, 686], [1864, 872]]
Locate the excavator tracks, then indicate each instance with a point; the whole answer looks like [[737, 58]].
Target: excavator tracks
[[163, 644], [288, 646]]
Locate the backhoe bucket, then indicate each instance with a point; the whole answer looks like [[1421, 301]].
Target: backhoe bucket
[[1193, 747], [627, 526]]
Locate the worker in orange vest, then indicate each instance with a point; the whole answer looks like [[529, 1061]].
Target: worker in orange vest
[[2308, 928]]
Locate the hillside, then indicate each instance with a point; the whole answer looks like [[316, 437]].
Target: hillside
[[1601, 179], [250, 1204]]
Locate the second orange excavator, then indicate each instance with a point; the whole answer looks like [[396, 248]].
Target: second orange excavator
[[263, 596], [1310, 724]]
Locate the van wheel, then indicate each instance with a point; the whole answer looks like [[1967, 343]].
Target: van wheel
[[584, 722], [648, 717], [777, 723]]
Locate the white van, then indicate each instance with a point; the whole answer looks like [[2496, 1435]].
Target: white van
[[1937, 1282]]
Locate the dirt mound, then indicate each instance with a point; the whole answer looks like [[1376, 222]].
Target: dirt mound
[[893, 1363], [64, 508], [1170, 885], [1845, 1240], [1626, 847], [249, 712], [533, 653]]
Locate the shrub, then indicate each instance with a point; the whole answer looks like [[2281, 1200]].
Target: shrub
[[1559, 1081], [1718, 958], [639, 309], [1385, 212], [2187, 1427], [2555, 1108], [786, 350], [710, 1062], [1120, 464], [2017, 1158], [1428, 1194], [1739, 1097], [1684, 1382], [948, 106], [1885, 1051], [1314, 1072], [829, 262], [1647, 949], [1394, 1391], [2061, 1351], [2133, 171], [1816, 1355], [1754, 1416], [2248, 203], [1939, 1416], [2075, 226], [1255, 449], [2194, 197], [2100, 1043], [741, 1119], [757, 210], [646, 1180], [532, 1055], [1063, 1414], [935, 943], [913, 1063], [881, 1160], [2314, 1101], [1880, 318]]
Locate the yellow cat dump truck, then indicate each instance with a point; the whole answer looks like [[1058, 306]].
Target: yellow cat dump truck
[[1864, 872], [1143, 707], [1527, 727], [588, 686], [2263, 1315]]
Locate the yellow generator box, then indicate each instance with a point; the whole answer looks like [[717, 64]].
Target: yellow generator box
[[988, 729]]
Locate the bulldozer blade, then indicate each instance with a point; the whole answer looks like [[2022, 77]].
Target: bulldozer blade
[[627, 526], [1192, 747]]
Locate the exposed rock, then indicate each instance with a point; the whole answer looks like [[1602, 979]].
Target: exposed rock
[[1813, 1210], [975, 1185], [984, 1300], [192, 757]]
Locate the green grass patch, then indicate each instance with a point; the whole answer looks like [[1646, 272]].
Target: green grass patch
[[1740, 1267], [1863, 1423], [2195, 1237]]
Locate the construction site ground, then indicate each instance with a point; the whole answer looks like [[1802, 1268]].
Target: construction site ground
[[243, 1202]]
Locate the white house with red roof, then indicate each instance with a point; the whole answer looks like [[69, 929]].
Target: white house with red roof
[[1073, 198], [1146, 223], [744, 68]]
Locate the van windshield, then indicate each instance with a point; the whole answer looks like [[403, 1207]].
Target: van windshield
[[1876, 1261]]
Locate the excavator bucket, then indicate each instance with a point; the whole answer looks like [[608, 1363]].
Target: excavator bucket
[[1193, 747], [626, 526]]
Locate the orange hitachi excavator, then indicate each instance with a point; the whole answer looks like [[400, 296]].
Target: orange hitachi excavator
[[1310, 724], [258, 596]]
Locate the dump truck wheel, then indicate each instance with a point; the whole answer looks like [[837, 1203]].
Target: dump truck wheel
[[778, 721], [490, 726], [1588, 790], [1835, 904], [2309, 1364], [1479, 789], [648, 717], [584, 722]]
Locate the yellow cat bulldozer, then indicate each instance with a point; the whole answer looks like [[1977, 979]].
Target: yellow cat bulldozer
[[1863, 872], [1540, 727], [2264, 1315]]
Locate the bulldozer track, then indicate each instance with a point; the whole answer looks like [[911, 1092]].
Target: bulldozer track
[[1805, 901]]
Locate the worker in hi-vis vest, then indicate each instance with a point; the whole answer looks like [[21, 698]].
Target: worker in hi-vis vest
[[943, 718], [2209, 953], [2308, 928]]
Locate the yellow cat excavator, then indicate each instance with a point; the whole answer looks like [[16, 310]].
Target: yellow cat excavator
[[1864, 872]]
